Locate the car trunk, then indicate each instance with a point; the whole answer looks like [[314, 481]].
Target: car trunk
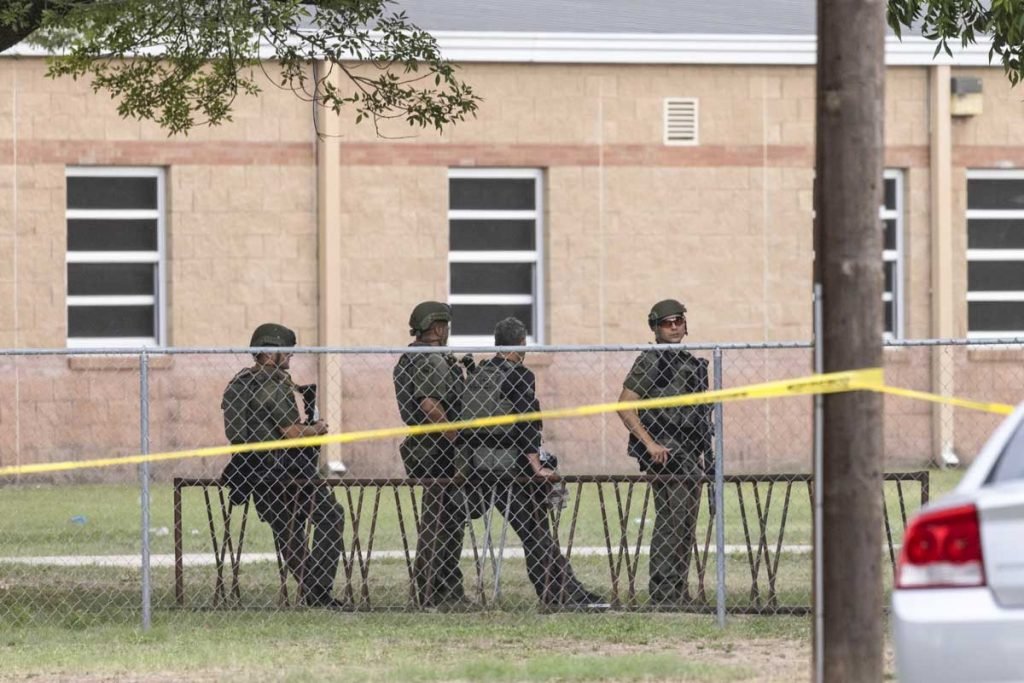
[[1001, 513]]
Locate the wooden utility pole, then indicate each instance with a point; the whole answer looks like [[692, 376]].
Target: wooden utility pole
[[848, 265]]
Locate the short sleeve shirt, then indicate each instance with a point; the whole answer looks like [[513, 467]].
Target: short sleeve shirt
[[640, 379], [424, 375], [431, 376]]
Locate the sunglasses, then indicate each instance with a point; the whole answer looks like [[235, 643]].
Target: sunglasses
[[673, 321]]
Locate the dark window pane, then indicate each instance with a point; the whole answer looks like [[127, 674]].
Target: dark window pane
[[889, 269], [995, 194], [890, 324], [111, 278], [995, 316], [492, 235], [493, 194], [889, 226], [112, 193], [492, 278], [995, 276], [111, 235], [995, 234], [890, 194], [472, 319], [111, 321]]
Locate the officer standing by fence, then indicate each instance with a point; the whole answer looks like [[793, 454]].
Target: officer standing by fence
[[259, 404], [670, 442], [428, 387], [497, 459]]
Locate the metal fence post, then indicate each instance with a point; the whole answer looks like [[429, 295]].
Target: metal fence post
[[144, 487], [716, 355], [816, 512]]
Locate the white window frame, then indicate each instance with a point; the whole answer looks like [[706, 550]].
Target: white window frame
[[536, 256], [895, 255], [994, 254], [158, 257]]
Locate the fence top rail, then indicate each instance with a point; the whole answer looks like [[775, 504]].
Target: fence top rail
[[1001, 341], [540, 348], [920, 475], [396, 350]]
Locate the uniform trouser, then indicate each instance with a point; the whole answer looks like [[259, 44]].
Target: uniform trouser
[[676, 504], [521, 504], [287, 508], [436, 571]]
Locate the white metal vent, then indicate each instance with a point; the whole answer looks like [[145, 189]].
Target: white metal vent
[[680, 120]]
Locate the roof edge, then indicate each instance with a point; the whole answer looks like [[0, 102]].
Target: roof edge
[[634, 48], [740, 49]]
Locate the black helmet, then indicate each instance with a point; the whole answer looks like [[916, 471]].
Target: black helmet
[[426, 313], [664, 309], [272, 334]]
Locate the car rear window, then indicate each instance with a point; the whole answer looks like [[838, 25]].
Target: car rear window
[[1010, 465]]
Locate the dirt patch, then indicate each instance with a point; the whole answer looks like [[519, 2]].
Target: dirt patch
[[769, 659]]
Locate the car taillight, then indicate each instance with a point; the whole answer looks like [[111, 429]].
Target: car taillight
[[942, 549]]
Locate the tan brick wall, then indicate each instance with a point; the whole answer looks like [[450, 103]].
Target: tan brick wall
[[393, 254], [241, 250], [725, 225], [241, 221]]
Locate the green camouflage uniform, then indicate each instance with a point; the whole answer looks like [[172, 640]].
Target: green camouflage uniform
[[263, 400], [438, 576], [686, 432]]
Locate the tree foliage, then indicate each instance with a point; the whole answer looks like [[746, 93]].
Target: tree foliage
[[182, 63], [965, 22]]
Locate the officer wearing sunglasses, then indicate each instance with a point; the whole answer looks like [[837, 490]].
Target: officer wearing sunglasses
[[673, 443]]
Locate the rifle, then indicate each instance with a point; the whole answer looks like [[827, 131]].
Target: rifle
[[306, 460]]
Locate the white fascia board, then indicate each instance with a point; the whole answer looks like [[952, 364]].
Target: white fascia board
[[624, 48], [648, 48]]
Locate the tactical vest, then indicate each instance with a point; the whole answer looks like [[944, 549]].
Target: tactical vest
[[672, 374], [428, 455], [246, 468], [408, 404], [488, 449]]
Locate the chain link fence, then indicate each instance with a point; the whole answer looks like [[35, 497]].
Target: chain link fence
[[704, 508]]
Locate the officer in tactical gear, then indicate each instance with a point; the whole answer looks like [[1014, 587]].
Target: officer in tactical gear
[[501, 457], [428, 388], [259, 404], [670, 441]]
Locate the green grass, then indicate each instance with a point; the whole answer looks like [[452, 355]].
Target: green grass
[[36, 520], [371, 647], [62, 622]]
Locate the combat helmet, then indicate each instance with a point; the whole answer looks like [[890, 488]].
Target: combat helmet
[[272, 334], [664, 309], [427, 313]]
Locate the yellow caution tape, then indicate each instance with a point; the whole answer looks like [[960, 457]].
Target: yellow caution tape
[[997, 408], [852, 380]]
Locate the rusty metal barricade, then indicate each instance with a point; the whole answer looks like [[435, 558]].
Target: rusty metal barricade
[[763, 546]]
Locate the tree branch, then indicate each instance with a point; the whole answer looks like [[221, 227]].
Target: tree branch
[[23, 23]]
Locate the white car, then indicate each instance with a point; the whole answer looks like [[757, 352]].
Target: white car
[[958, 603]]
